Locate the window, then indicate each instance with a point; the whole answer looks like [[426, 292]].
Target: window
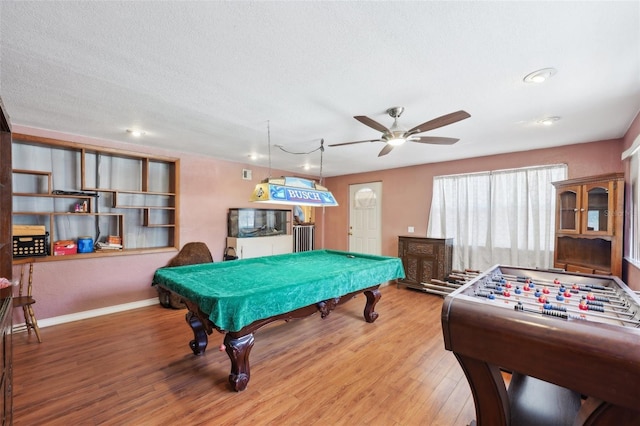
[[633, 154], [634, 235], [365, 198], [498, 217]]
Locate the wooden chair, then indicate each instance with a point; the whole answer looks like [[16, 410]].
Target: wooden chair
[[26, 301], [190, 254]]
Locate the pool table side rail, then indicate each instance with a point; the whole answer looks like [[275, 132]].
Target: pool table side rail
[[233, 313]]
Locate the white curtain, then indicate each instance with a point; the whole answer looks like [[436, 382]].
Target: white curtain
[[460, 209], [501, 217]]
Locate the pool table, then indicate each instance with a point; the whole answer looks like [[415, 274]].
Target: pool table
[[238, 297]]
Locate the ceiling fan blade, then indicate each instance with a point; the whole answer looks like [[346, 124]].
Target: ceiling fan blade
[[387, 149], [351, 143], [371, 123], [439, 122], [435, 140]]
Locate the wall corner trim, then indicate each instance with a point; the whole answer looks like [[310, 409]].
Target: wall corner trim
[[632, 149]]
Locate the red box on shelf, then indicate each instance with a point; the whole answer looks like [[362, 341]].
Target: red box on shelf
[[61, 248]]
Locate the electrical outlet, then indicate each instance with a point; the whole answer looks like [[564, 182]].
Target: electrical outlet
[[411, 230]]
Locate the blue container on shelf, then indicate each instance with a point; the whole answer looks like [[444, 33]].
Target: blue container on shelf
[[85, 245]]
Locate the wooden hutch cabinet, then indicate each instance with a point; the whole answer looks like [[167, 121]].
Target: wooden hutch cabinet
[[424, 259], [589, 224]]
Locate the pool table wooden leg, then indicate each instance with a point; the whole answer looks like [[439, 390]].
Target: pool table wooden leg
[[373, 296], [238, 349], [199, 343]]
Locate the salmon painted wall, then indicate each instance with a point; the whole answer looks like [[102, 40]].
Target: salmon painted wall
[[208, 188], [630, 271], [406, 192]]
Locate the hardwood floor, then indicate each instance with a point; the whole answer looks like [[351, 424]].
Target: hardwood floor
[[135, 368]]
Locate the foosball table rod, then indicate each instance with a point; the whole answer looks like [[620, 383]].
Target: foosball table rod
[[436, 289], [445, 283]]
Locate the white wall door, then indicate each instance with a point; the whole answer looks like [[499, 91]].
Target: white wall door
[[365, 224]]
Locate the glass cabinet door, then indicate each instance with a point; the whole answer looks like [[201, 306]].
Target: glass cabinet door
[[568, 210], [597, 215]]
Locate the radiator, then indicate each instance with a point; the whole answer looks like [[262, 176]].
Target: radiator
[[303, 237]]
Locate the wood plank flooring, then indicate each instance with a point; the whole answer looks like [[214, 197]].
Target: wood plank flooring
[[135, 368]]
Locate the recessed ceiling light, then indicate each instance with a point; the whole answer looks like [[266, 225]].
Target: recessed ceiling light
[[253, 157], [136, 133], [540, 76], [548, 121]]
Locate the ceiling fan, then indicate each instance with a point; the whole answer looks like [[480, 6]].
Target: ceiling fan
[[396, 135]]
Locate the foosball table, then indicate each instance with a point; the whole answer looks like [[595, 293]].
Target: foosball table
[[569, 343]]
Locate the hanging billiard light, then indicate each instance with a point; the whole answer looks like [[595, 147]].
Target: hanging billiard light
[[292, 190]]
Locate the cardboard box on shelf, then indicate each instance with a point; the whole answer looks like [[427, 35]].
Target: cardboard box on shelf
[[20, 230]]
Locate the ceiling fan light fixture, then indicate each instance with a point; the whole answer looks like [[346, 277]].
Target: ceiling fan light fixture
[[540, 76], [396, 141], [397, 135]]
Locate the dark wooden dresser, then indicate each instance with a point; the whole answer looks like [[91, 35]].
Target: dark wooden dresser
[[6, 266], [424, 259]]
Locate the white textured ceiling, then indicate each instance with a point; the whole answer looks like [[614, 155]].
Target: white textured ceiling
[[207, 77]]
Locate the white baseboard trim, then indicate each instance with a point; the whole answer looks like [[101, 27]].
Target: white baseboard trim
[[62, 319]]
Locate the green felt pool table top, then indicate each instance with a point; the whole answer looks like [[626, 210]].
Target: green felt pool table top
[[236, 293]]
